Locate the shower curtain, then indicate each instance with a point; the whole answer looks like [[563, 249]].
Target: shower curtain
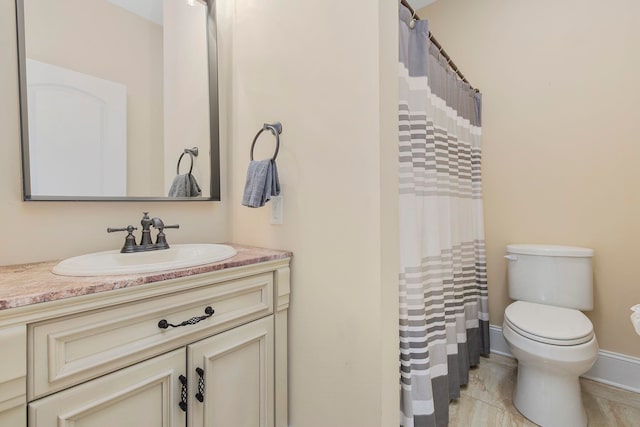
[[444, 320]]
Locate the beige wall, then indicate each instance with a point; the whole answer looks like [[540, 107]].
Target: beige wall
[[38, 231], [561, 151], [329, 74]]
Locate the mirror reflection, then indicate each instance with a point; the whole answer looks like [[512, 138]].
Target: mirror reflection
[[116, 99]]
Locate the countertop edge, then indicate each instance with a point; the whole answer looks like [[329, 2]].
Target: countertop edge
[[29, 284]]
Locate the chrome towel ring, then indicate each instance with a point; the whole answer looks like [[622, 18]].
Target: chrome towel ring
[[191, 152], [276, 130]]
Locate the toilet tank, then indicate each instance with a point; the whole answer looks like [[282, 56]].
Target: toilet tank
[[554, 275]]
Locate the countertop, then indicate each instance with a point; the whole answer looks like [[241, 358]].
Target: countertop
[[26, 284]]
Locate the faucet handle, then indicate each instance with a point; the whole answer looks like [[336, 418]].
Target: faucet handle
[[129, 228], [161, 239], [129, 241]]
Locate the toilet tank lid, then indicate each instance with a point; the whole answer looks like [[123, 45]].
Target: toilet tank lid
[[549, 250]]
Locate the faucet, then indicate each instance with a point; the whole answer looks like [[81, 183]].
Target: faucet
[[146, 244]]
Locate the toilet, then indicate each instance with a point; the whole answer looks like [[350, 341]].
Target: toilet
[[547, 333]]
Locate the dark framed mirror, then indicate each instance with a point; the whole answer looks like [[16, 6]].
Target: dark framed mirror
[[119, 100]]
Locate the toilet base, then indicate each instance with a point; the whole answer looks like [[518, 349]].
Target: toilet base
[[547, 390], [549, 399]]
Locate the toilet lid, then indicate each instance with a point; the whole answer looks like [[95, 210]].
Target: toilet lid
[[549, 324]]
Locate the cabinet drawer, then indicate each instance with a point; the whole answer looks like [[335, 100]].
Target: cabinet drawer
[[69, 350]]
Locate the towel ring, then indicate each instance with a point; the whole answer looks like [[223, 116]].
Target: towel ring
[[276, 130], [191, 152]]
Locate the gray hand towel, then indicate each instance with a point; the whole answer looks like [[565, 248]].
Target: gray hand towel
[[185, 186], [262, 183]]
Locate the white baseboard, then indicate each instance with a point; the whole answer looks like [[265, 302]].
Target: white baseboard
[[611, 368], [497, 342]]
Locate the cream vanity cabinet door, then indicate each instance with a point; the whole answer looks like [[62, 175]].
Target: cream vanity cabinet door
[[234, 374], [13, 374], [143, 395]]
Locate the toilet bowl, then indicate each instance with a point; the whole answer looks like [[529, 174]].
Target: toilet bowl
[[553, 346]]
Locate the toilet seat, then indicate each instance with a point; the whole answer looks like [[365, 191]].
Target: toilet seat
[[548, 324]]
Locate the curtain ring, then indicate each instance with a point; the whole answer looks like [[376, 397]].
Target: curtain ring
[[412, 22], [180, 159], [276, 130]]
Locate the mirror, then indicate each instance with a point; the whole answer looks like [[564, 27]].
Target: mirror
[[119, 99]]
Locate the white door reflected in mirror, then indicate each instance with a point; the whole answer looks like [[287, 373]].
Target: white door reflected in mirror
[[77, 133]]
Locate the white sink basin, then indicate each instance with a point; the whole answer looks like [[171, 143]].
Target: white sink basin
[[113, 262], [635, 317]]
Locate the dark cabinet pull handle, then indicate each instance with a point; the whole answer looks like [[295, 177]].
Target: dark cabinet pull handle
[[200, 393], [163, 324], [183, 393]]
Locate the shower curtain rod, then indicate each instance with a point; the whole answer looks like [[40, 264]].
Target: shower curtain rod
[[443, 52]]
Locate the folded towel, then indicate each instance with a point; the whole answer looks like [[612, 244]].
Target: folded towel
[[262, 183], [185, 186]]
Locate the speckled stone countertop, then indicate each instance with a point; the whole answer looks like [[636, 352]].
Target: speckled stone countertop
[[26, 284]]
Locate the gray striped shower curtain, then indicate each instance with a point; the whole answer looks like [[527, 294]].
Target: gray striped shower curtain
[[444, 320]]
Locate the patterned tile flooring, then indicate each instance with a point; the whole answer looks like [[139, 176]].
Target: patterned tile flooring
[[486, 401]]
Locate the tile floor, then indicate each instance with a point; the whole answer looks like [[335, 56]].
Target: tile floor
[[486, 401]]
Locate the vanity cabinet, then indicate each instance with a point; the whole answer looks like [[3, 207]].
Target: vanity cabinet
[[229, 382], [108, 359]]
